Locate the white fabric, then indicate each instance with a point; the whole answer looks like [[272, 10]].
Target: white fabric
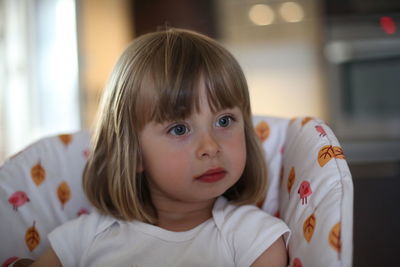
[[61, 163], [273, 148], [310, 188], [321, 220], [234, 236]]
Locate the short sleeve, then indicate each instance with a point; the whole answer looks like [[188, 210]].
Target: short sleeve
[[70, 240], [251, 231]]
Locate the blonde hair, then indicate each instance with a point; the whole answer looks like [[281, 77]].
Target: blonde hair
[[156, 78]]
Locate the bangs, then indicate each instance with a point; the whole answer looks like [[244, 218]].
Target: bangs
[[177, 68]]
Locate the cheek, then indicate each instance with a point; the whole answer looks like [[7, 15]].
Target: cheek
[[159, 164], [168, 174], [237, 151]]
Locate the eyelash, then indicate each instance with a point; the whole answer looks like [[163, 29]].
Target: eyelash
[[230, 117], [170, 130]]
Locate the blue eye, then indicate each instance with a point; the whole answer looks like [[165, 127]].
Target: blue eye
[[224, 121], [178, 130]]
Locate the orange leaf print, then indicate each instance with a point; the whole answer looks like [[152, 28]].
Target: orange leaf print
[[63, 193], [338, 151], [32, 237], [292, 120], [329, 152], [262, 131], [291, 179], [308, 227], [65, 138], [334, 237], [305, 120], [38, 174]]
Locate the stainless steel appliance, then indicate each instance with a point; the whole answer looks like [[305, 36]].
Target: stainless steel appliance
[[363, 58]]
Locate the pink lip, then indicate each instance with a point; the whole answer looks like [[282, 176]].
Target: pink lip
[[212, 175]]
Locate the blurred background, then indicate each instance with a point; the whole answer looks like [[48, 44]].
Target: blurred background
[[338, 60]]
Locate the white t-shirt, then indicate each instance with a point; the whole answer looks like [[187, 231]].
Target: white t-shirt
[[234, 236]]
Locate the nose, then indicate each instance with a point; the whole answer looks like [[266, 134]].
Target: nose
[[208, 146]]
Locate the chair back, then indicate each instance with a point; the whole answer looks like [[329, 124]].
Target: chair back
[[309, 187]]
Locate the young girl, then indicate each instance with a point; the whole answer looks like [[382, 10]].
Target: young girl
[[175, 167]]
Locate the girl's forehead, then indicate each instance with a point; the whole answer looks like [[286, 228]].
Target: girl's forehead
[[176, 104]]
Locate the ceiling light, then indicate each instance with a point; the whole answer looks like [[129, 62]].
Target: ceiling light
[[291, 12], [261, 15]]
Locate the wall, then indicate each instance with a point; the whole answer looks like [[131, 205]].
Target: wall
[[282, 61], [105, 28]]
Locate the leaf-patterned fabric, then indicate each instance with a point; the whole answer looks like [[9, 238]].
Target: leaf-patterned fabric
[[309, 187], [314, 190], [40, 188]]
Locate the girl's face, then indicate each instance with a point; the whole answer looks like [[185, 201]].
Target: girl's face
[[196, 159]]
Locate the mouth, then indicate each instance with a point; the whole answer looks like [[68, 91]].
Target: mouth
[[212, 175]]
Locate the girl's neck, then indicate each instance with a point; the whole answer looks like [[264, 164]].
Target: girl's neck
[[180, 216]]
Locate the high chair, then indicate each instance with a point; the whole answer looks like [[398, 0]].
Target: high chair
[[309, 187]]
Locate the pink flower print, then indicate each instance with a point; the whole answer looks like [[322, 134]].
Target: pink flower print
[[18, 199], [277, 214], [82, 211], [86, 153], [320, 130], [297, 263], [304, 191], [9, 261]]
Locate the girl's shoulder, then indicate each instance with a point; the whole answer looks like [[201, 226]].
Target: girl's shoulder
[[70, 239], [228, 215], [93, 223], [247, 230]]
